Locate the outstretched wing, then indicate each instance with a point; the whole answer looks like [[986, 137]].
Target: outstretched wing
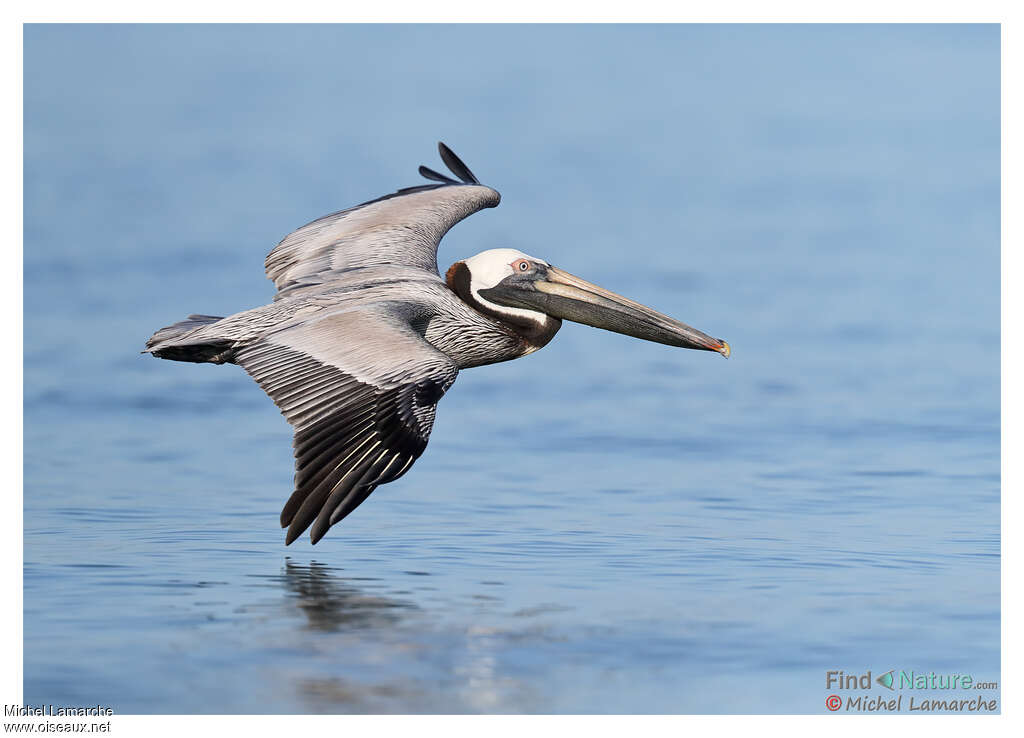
[[402, 228], [360, 388]]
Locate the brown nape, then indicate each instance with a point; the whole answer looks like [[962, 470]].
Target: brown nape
[[535, 333], [457, 278]]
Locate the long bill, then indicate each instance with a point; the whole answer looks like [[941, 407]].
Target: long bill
[[564, 295]]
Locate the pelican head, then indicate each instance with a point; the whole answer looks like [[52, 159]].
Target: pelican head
[[531, 294]]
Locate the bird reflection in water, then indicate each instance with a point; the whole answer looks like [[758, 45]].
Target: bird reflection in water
[[332, 603], [371, 653], [354, 628]]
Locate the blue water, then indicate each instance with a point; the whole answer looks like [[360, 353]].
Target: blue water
[[604, 526]]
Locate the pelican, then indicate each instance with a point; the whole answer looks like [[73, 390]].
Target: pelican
[[364, 337]]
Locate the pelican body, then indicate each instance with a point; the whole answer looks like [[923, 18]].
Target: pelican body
[[364, 336]]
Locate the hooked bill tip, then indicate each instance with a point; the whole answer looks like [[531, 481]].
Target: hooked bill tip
[[725, 351]]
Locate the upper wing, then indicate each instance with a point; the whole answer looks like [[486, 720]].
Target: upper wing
[[402, 228], [360, 387]]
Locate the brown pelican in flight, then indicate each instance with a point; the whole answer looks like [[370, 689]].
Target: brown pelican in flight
[[364, 337]]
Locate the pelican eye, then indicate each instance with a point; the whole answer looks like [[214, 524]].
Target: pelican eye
[[521, 265]]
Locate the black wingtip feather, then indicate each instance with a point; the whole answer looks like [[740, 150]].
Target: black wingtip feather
[[458, 167], [436, 176]]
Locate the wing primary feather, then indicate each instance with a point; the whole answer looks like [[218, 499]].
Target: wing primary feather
[[339, 489], [336, 506], [436, 176], [315, 499], [312, 477], [382, 476], [404, 469], [458, 167], [356, 498], [318, 453], [359, 480]]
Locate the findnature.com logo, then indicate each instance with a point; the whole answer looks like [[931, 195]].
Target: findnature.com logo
[[897, 681]]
